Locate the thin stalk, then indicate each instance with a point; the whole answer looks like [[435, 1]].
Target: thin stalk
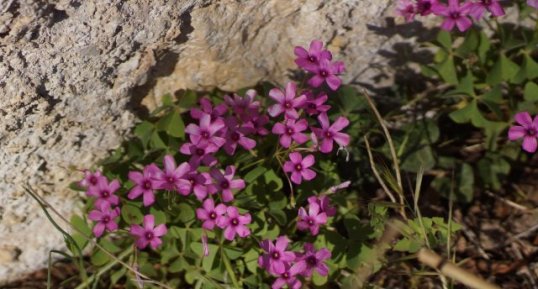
[[228, 266], [376, 173], [105, 268]]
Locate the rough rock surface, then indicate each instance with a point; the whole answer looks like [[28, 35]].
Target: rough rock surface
[[74, 74]]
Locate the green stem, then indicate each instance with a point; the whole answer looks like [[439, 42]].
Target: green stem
[[228, 266], [105, 269]]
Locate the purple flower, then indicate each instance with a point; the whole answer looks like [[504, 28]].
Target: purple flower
[[206, 132], [257, 125], [244, 107], [144, 184], [105, 218], [200, 184], [91, 179], [311, 220], [316, 105], [234, 224], [312, 260], [171, 178], [406, 9], [533, 3], [424, 7], [276, 256], [286, 102], [291, 130], [207, 108], [201, 153], [493, 6], [225, 183], [236, 135], [329, 133], [527, 129], [454, 14], [327, 71], [210, 214], [324, 204], [299, 167], [309, 60], [287, 278], [104, 192], [149, 234]]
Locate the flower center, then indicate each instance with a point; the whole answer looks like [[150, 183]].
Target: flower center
[[455, 15], [312, 261], [147, 185], [298, 167], [235, 222], [423, 7], [213, 215], [286, 275], [531, 132], [328, 134], [312, 58], [105, 194], [275, 255], [106, 219], [289, 131], [235, 136], [312, 106], [192, 180], [170, 179], [200, 152], [287, 104], [149, 235], [310, 222], [93, 180], [225, 184], [205, 134], [323, 73], [486, 2]]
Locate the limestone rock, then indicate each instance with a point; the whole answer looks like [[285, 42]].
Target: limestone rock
[[75, 74]]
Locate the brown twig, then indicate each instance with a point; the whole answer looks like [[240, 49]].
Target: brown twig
[[376, 173], [449, 269]]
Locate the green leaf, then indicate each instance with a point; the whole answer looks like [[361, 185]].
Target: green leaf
[[99, 258], [251, 260], [180, 264], [81, 225], [172, 124], [273, 181], [156, 141], [445, 39], [160, 216], [144, 131], [350, 99], [186, 213], [466, 183], [530, 93], [254, 174], [407, 245], [423, 158], [484, 47], [470, 44], [503, 70], [319, 280], [131, 214], [447, 70]]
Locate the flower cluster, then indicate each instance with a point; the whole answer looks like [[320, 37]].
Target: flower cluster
[[287, 266], [455, 14], [527, 129]]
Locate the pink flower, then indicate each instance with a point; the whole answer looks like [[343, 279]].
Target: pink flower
[[104, 192], [406, 9], [454, 14], [171, 178], [91, 179], [424, 7], [309, 60], [225, 183], [201, 153], [527, 129], [275, 257], [234, 224], [327, 72], [328, 133], [287, 278], [291, 130], [286, 102], [299, 167], [316, 105], [324, 204], [206, 132], [105, 218], [200, 184], [311, 220], [210, 214], [207, 108], [236, 135], [257, 125], [149, 234], [533, 3], [244, 107], [493, 6], [144, 184], [312, 260]]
